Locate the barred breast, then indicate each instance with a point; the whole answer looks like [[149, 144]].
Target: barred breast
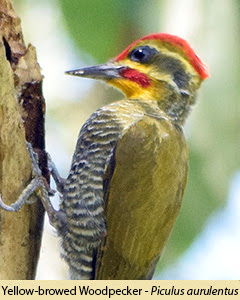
[[82, 200]]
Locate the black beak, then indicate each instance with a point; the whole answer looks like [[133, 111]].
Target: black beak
[[105, 72]]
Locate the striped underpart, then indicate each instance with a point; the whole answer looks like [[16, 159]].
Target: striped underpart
[[83, 193]]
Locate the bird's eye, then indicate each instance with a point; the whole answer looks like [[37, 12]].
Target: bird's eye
[[142, 54]]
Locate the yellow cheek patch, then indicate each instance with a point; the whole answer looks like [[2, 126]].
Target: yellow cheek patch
[[132, 89], [134, 81]]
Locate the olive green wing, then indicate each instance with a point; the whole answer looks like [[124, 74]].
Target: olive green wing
[[144, 186]]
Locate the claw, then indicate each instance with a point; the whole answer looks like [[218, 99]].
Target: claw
[[37, 184], [51, 192], [5, 206], [60, 182]]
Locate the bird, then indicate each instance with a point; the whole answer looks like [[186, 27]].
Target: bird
[[129, 169]]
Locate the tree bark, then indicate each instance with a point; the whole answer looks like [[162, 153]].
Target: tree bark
[[22, 109]]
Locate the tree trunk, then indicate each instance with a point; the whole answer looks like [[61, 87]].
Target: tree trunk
[[22, 110]]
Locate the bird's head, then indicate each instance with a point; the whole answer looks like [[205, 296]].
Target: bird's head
[[152, 68]]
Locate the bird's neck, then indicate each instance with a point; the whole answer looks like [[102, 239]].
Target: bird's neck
[[176, 106], [168, 98]]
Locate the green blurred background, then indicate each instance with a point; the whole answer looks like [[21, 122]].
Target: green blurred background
[[69, 34]]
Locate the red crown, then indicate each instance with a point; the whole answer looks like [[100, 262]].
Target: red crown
[[196, 62]]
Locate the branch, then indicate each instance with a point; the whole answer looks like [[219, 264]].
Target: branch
[[22, 109]]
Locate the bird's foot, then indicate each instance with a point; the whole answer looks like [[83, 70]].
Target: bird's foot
[[43, 191], [60, 181]]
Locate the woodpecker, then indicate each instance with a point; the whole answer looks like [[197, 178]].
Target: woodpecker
[[129, 169]]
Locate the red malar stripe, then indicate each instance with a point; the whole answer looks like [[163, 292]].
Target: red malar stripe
[[136, 76]]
